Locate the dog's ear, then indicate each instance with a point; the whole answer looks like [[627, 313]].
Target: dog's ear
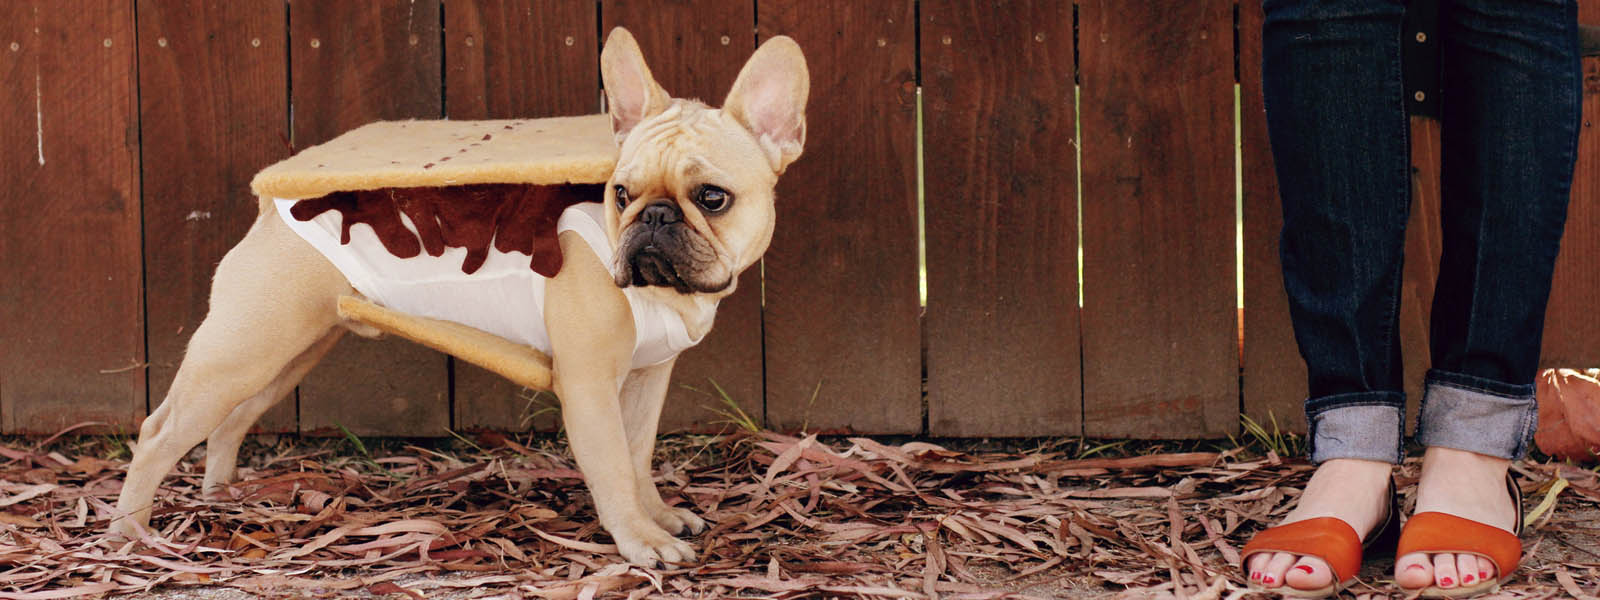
[[769, 98], [632, 94]]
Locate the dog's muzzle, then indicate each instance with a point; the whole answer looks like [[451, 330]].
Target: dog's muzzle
[[659, 249]]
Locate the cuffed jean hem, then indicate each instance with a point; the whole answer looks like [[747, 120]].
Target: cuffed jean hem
[[1367, 425], [1477, 415]]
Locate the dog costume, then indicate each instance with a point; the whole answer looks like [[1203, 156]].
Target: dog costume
[[448, 229]]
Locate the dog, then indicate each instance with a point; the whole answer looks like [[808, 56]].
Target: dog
[[689, 206]]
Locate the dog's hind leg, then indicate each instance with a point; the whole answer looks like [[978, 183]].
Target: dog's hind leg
[[273, 298], [222, 447]]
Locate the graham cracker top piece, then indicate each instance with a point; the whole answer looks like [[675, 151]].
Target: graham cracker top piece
[[386, 154]]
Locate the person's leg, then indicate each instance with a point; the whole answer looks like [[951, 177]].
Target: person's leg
[[1339, 132], [1511, 103]]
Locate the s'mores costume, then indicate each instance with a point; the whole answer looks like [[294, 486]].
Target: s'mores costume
[[448, 230]]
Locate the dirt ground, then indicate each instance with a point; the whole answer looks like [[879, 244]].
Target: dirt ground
[[792, 517]]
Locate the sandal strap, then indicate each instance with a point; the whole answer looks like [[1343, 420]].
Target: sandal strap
[[1330, 539], [1436, 532]]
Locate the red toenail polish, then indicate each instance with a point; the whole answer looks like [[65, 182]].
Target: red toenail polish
[[1466, 578], [1255, 577], [1266, 579], [1305, 568], [1483, 575], [1446, 581]]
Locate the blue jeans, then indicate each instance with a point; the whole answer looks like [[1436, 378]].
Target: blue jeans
[[1510, 97]]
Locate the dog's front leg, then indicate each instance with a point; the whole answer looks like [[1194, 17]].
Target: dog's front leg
[[593, 418], [643, 395], [591, 341]]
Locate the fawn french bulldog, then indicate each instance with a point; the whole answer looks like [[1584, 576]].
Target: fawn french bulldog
[[688, 207]]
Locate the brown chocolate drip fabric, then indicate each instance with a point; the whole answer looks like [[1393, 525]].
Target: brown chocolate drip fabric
[[514, 217]]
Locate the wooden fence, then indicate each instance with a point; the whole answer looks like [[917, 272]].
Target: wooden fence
[[131, 128]]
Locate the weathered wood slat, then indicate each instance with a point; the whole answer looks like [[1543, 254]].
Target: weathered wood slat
[[353, 63], [1572, 325], [213, 91], [843, 341], [509, 59], [1159, 317], [695, 49], [1424, 241], [1001, 206], [71, 299], [1274, 376]]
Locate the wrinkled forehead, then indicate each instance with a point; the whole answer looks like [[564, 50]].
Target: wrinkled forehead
[[688, 143]]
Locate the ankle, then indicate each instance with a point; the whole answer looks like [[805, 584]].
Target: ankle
[[1463, 459], [1352, 489]]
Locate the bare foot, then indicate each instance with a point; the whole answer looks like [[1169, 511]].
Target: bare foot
[[1351, 490], [1467, 485]]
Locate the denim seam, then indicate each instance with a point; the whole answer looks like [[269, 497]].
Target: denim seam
[[1523, 434], [1480, 390], [1316, 406], [1356, 403], [1396, 272]]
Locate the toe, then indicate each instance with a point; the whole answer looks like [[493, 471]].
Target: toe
[[1272, 576], [676, 552], [1257, 565], [692, 521], [1308, 573], [1413, 571], [1444, 570], [643, 556], [1467, 568]]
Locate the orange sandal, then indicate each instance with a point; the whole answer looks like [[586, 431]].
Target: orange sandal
[[1436, 532], [1328, 538]]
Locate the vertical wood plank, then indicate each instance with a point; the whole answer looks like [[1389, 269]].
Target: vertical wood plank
[[213, 83], [512, 59], [508, 59], [352, 63], [1274, 376], [71, 298], [1159, 333], [1001, 205], [1571, 328], [695, 50], [843, 342], [1424, 242]]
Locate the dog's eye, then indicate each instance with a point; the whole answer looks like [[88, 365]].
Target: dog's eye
[[622, 197], [712, 199]]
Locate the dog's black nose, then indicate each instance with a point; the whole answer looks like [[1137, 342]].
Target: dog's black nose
[[659, 214]]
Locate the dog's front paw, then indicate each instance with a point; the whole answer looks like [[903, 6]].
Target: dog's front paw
[[646, 544], [677, 520]]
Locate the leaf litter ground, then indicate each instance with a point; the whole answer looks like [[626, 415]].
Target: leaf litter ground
[[791, 517]]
